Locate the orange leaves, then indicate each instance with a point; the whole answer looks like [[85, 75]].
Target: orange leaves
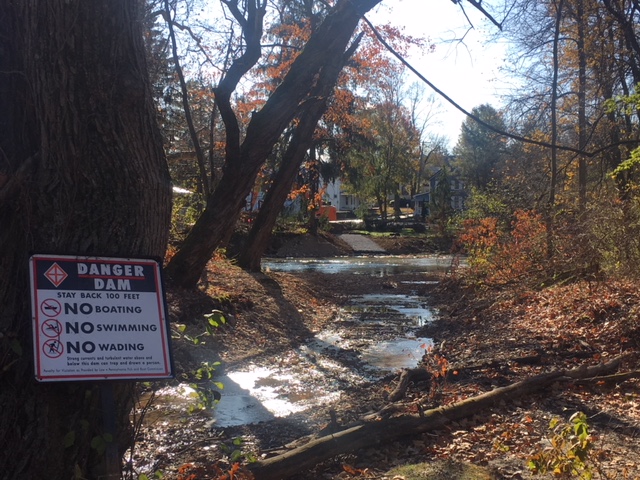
[[189, 471], [478, 235], [302, 191], [500, 255], [183, 472], [357, 472]]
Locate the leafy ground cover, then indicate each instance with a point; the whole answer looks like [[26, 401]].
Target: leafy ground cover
[[484, 339]]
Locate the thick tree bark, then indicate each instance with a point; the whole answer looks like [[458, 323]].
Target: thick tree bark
[[243, 164], [86, 175], [379, 430]]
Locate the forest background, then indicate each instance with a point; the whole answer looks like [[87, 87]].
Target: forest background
[[560, 143], [265, 88]]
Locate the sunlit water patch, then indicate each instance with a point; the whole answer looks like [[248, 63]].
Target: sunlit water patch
[[372, 336], [375, 266], [392, 355], [260, 394]]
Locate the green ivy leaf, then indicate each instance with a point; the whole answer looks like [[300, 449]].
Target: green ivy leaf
[[16, 347], [216, 318], [98, 444], [69, 439], [235, 456]]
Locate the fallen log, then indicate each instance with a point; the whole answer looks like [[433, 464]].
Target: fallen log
[[419, 374], [378, 430]]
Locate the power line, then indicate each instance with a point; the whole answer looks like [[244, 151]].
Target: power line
[[477, 119]]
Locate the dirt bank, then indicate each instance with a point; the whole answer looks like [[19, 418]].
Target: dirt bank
[[499, 338], [329, 245]]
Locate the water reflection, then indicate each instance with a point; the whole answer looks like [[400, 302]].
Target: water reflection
[[409, 306], [392, 355], [377, 266], [373, 335]]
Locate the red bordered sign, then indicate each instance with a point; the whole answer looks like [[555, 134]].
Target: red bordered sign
[[98, 318]]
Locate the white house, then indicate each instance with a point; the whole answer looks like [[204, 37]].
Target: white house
[[335, 196]]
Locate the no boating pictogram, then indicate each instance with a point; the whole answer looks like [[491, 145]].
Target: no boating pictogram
[[55, 274], [51, 307]]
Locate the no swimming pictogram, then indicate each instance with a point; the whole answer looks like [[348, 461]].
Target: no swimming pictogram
[[51, 328]]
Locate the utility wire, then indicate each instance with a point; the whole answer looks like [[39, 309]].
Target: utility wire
[[477, 119]]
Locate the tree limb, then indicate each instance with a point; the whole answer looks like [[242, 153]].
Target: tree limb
[[478, 120], [378, 431]]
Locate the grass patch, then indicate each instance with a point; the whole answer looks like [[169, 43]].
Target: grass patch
[[441, 470], [405, 232]]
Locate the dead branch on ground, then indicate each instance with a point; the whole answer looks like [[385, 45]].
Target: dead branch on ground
[[378, 430]]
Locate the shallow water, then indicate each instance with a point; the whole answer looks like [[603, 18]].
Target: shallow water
[[372, 336], [375, 265]]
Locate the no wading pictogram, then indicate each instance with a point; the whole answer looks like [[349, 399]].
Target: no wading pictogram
[[53, 348]]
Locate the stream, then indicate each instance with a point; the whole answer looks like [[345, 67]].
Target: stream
[[373, 335]]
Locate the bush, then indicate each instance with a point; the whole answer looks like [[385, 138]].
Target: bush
[[500, 255], [612, 231], [419, 227]]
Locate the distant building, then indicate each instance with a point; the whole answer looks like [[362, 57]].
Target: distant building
[[457, 193], [336, 196]]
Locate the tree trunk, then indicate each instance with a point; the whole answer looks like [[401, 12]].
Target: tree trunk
[[85, 174], [379, 430], [301, 140], [314, 179], [553, 165], [582, 106], [204, 182], [242, 165]]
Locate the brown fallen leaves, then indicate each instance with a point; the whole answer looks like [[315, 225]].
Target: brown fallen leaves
[[559, 327]]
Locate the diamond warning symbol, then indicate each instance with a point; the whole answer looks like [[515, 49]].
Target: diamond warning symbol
[[55, 274]]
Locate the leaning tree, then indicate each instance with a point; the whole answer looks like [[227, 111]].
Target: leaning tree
[[82, 171], [245, 154]]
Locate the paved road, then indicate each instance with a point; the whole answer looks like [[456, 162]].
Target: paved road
[[361, 243]]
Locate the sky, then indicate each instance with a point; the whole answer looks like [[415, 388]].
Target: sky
[[468, 73]]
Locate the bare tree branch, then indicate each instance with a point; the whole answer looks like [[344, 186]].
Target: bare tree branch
[[511, 135]]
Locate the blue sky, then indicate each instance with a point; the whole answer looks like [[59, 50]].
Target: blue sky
[[467, 72]]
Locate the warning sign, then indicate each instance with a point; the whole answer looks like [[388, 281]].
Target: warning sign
[[98, 318]]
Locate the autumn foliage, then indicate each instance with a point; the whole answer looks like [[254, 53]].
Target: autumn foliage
[[213, 471], [502, 255]]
